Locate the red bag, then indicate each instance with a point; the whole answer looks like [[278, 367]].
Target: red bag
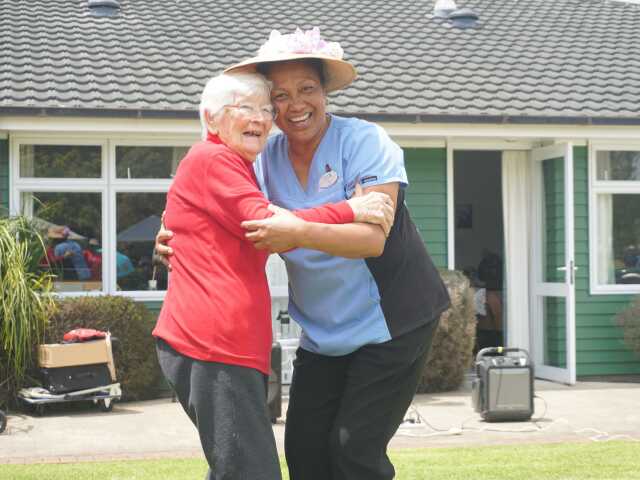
[[83, 335]]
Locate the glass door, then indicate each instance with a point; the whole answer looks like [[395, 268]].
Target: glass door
[[553, 272]]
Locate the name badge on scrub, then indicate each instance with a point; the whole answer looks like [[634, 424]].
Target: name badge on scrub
[[329, 178]]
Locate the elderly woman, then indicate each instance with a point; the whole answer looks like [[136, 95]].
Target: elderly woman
[[214, 330], [369, 305]]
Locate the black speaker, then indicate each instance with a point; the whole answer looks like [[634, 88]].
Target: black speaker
[[274, 393], [503, 387]]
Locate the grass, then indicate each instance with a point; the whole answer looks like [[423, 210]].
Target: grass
[[572, 461]]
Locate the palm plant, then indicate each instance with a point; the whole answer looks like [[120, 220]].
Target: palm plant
[[26, 302]]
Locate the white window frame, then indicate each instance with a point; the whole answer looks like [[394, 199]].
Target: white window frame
[[143, 185], [599, 187], [108, 185]]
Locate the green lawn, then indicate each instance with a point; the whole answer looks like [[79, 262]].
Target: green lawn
[[583, 461]]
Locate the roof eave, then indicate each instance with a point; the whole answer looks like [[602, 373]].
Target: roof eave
[[499, 119], [98, 113], [374, 117]]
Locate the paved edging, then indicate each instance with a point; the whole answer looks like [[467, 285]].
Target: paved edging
[[158, 429]]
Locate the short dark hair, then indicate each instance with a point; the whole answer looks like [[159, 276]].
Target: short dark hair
[[315, 63]]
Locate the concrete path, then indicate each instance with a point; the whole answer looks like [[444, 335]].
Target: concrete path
[[159, 428]]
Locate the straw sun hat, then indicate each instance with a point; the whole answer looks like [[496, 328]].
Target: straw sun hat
[[300, 45]]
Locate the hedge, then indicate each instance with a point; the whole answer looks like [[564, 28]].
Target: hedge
[[130, 322], [451, 354]]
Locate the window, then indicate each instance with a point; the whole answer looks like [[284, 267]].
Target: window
[[60, 161], [615, 219], [70, 223], [98, 203], [148, 162], [137, 221], [143, 173]]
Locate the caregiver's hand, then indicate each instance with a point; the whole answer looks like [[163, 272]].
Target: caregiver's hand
[[373, 207], [162, 251], [278, 233]]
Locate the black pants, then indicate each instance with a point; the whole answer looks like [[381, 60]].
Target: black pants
[[344, 410], [228, 406]]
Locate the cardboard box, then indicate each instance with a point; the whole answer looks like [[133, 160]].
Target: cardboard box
[[55, 355]]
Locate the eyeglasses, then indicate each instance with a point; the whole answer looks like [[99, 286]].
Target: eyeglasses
[[266, 111]]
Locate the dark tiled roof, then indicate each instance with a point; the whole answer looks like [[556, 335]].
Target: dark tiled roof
[[536, 59]]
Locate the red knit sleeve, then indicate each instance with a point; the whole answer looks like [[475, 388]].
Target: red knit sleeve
[[233, 196], [330, 213]]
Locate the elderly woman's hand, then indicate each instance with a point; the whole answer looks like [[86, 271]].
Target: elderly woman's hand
[[374, 207], [277, 234], [162, 251]]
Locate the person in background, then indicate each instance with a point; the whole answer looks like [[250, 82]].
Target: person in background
[[50, 260], [69, 252], [124, 266], [489, 332], [93, 257], [214, 330], [630, 271], [368, 304]]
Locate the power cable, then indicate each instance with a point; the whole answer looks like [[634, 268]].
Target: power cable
[[415, 420]]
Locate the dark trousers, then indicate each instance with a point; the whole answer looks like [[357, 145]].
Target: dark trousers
[[344, 410], [228, 406]]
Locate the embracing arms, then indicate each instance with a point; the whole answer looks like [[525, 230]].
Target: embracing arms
[[234, 198], [283, 231]]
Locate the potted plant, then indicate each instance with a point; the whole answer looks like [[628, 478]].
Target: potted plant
[[25, 302]]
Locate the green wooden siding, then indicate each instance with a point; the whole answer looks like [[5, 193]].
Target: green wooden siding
[[154, 307], [4, 176], [555, 332], [600, 349], [554, 308], [427, 198]]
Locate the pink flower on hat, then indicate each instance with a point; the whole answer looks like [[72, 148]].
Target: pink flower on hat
[[308, 41]]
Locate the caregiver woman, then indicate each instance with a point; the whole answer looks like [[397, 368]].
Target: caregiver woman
[[214, 330], [367, 314]]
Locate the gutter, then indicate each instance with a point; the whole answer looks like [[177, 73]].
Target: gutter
[[497, 119], [374, 117], [98, 113]]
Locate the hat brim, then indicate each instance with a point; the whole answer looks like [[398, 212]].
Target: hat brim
[[338, 73]]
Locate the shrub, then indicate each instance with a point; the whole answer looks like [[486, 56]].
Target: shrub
[[452, 349], [131, 323], [25, 303], [629, 320]]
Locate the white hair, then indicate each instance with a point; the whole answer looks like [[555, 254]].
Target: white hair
[[224, 88]]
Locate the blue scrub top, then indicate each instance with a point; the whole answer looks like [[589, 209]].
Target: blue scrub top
[[335, 300], [78, 261]]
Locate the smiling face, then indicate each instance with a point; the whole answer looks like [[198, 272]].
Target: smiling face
[[244, 126], [300, 100]]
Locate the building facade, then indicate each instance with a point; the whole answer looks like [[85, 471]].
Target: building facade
[[521, 139]]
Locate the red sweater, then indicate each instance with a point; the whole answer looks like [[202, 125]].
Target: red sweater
[[218, 306]]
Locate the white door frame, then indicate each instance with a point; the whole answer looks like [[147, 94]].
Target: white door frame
[[538, 286]]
